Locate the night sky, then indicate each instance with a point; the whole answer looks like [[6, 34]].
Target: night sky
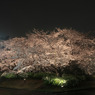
[[19, 17]]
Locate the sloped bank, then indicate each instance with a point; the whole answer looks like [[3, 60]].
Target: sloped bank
[[44, 82]]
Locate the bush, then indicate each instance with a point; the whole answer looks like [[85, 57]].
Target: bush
[[56, 81], [64, 81]]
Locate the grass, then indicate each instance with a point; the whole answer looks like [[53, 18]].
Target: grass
[[38, 75], [9, 76]]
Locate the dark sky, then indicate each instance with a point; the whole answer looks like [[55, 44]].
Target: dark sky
[[18, 17]]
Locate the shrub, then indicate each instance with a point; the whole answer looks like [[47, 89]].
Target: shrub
[[64, 81]]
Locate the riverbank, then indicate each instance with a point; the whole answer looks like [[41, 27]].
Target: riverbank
[[46, 82]]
